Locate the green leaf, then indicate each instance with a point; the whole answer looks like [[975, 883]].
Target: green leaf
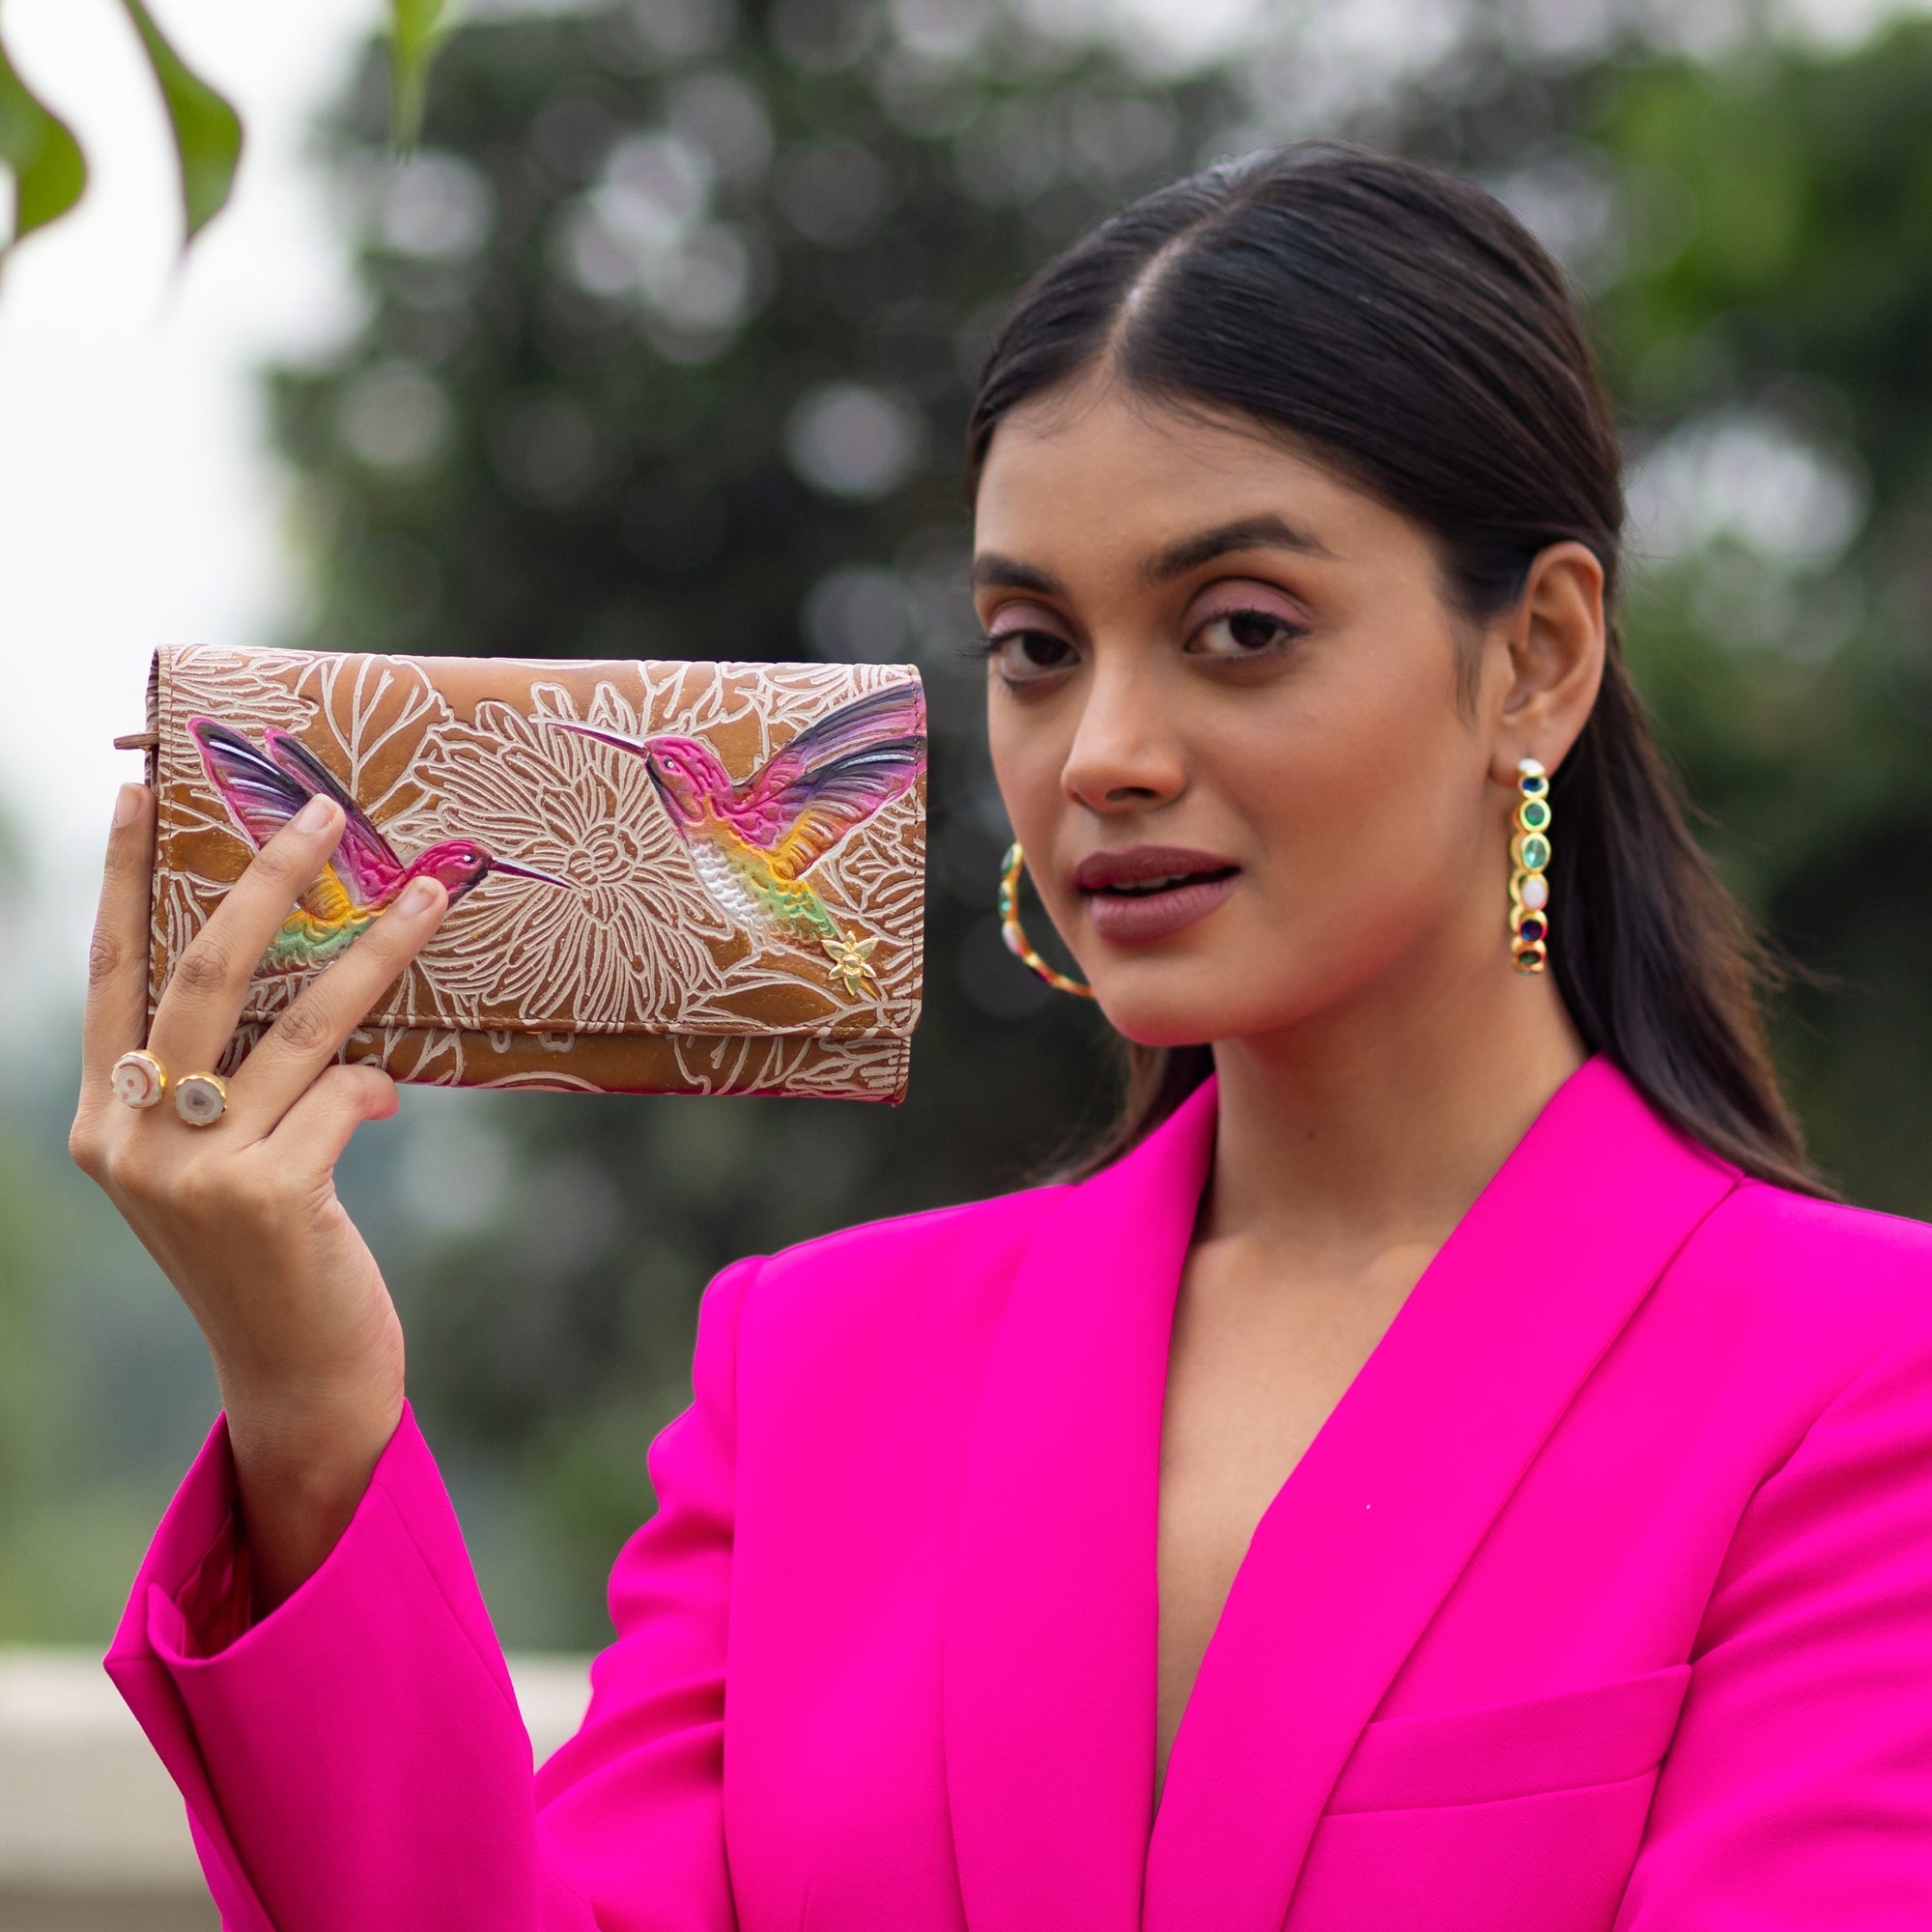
[[206, 130], [417, 31], [38, 149]]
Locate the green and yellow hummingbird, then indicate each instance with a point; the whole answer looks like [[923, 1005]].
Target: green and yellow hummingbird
[[752, 842]]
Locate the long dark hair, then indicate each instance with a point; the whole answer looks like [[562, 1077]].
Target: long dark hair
[[1408, 330]]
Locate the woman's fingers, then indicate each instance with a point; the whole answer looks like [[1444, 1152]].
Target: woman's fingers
[[308, 1035], [318, 1125], [117, 974], [205, 992], [117, 957]]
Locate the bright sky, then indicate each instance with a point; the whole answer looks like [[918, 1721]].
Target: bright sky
[[136, 504], [135, 508]]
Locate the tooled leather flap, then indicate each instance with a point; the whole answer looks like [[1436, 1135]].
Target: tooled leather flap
[[632, 847]]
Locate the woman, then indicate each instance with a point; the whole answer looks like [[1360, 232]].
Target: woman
[[1446, 1466]]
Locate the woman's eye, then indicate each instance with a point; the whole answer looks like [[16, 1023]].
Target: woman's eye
[[1020, 655], [1245, 633]]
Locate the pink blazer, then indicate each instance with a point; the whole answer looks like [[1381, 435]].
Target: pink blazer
[[1604, 1598]]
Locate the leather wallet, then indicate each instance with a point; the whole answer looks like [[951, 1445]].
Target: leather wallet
[[665, 877]]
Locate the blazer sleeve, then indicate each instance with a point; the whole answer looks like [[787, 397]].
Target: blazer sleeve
[[357, 1758], [1798, 1792]]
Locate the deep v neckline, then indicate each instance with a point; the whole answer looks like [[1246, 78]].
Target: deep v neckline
[[1050, 1667], [1339, 1420], [1181, 1308]]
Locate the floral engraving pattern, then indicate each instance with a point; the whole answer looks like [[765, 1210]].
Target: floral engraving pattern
[[800, 1066], [523, 977]]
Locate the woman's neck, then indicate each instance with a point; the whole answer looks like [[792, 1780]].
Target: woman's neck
[[1374, 1126]]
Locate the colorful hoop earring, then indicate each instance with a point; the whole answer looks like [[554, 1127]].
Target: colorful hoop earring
[[1529, 856], [1014, 934]]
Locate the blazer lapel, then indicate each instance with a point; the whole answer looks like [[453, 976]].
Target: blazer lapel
[[1050, 1638], [1370, 1531]]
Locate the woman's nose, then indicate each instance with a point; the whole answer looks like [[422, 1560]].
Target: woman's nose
[[1124, 751]]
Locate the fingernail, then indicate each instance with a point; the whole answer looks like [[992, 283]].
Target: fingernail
[[128, 803], [417, 897], [315, 814]]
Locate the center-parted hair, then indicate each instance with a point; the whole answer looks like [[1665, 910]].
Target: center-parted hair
[[1401, 327]]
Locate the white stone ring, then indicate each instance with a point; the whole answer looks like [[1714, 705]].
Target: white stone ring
[[201, 1098], [138, 1079]]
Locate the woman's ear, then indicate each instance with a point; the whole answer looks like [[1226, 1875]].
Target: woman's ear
[[1554, 637]]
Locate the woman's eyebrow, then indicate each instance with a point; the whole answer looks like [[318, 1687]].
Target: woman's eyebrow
[[1009, 573], [1267, 531], [1264, 533]]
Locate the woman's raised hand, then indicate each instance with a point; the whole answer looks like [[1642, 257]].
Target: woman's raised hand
[[243, 1215]]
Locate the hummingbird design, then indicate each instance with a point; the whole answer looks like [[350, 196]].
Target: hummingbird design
[[752, 842], [263, 789]]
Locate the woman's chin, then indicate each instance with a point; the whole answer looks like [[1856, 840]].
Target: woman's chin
[[1185, 1003], [1154, 1022]]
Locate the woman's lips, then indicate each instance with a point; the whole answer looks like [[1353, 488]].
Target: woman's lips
[[1130, 902], [1156, 915]]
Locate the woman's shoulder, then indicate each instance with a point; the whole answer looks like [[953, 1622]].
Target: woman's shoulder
[[933, 1255], [891, 1303], [1800, 1237], [1810, 1276]]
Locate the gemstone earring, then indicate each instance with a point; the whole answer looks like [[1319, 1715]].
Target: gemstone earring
[[1014, 934], [1529, 856]]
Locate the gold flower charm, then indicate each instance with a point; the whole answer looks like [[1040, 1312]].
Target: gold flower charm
[[849, 958]]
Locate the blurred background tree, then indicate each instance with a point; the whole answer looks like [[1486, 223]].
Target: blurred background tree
[[1753, 231], [671, 324]]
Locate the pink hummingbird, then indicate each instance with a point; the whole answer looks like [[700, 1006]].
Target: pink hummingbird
[[753, 841], [264, 790]]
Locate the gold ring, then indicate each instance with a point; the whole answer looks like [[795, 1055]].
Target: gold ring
[[201, 1098], [138, 1079]]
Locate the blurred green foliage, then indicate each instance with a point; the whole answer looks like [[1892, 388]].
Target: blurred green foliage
[[38, 153], [416, 31], [207, 131], [670, 330], [1790, 655], [104, 1387], [48, 171]]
